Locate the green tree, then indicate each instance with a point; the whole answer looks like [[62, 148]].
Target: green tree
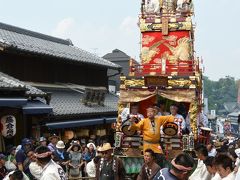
[[221, 91]]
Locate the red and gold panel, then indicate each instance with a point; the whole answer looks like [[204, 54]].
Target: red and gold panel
[[166, 54]]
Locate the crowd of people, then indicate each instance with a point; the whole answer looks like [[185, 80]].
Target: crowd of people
[[212, 163], [218, 163], [51, 159]]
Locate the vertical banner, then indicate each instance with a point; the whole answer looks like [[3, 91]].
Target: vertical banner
[[8, 126]]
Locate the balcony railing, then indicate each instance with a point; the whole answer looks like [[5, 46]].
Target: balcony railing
[[180, 68]]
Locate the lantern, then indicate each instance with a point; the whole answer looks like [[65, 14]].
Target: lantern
[[9, 126], [69, 134]]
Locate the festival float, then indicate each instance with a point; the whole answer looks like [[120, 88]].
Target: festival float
[[170, 72]]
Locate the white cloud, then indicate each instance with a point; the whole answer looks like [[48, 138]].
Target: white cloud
[[63, 27], [101, 38]]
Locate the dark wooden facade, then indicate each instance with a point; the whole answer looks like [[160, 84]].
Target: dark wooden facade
[[52, 70]]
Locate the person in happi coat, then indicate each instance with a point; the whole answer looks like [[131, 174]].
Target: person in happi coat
[[150, 128], [109, 167]]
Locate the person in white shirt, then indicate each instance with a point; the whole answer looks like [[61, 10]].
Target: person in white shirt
[[91, 166], [132, 112], [224, 166], [17, 174], [201, 171], [211, 149], [35, 170], [50, 170], [237, 174], [179, 119], [209, 163], [237, 164]]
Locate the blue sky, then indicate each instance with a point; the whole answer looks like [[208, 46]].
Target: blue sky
[[101, 26]]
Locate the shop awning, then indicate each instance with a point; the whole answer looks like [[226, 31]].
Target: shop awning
[[110, 120], [79, 123], [12, 102], [36, 107]]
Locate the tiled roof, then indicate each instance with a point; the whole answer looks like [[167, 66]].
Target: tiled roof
[[234, 114], [10, 83], [15, 38], [69, 102], [230, 106], [116, 55]]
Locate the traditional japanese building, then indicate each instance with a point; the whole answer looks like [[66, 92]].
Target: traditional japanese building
[[118, 57], [75, 81], [20, 104]]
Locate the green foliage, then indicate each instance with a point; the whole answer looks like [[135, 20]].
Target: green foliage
[[221, 91]]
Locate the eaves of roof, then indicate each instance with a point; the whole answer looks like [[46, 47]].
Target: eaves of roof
[[10, 83], [15, 39]]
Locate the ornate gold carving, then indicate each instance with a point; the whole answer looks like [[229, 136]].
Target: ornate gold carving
[[122, 86], [174, 73], [193, 111], [181, 52], [179, 82], [157, 26], [122, 78], [165, 26], [122, 82], [134, 82], [142, 24], [149, 52], [147, 39]]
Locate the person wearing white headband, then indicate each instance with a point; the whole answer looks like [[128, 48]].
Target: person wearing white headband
[[50, 170], [182, 165]]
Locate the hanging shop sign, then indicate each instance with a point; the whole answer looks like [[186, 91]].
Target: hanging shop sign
[[8, 126]]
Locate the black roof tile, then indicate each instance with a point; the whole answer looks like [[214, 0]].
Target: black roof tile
[[10, 83], [67, 102], [15, 38]]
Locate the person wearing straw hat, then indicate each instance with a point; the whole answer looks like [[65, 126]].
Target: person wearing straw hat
[[61, 156], [53, 141], [50, 169], [99, 151], [109, 167]]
